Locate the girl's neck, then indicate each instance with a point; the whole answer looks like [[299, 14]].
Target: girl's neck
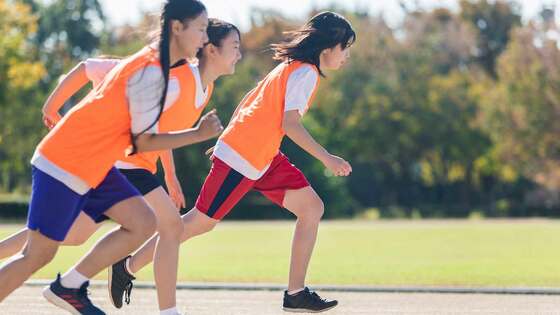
[[208, 73], [174, 53]]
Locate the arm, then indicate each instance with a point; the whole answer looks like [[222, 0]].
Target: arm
[[208, 127], [295, 131], [171, 181], [69, 85]]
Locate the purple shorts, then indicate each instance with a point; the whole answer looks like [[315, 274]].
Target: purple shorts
[[54, 206]]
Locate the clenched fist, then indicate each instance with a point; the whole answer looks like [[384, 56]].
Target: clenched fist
[[209, 125]]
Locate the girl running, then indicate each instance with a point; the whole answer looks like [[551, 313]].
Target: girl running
[[217, 58], [73, 165], [247, 154]]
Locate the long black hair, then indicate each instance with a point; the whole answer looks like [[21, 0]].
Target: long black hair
[[324, 30], [218, 30], [179, 10]]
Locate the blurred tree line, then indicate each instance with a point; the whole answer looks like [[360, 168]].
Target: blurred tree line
[[450, 114]]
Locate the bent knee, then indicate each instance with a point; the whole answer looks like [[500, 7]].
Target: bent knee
[[171, 228], [313, 210]]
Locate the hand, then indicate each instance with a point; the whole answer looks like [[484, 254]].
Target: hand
[[50, 120], [209, 125], [337, 165], [175, 191]]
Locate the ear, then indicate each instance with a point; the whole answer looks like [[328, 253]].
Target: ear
[[211, 49], [176, 27]]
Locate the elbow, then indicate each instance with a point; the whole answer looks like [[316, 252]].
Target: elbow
[[142, 143], [287, 125]]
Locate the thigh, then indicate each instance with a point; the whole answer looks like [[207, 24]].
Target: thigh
[[130, 211], [304, 202], [164, 208], [196, 223], [40, 245], [81, 230]]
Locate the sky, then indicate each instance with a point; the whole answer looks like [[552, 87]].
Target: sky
[[238, 11]]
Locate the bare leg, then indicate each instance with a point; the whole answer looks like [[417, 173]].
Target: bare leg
[[308, 207], [194, 223], [82, 229], [13, 244], [80, 232], [137, 224], [166, 256], [38, 252]]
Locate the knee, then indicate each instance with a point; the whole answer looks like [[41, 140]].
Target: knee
[[76, 240], [171, 228], [196, 223], [313, 210], [200, 228], [38, 258], [145, 224]]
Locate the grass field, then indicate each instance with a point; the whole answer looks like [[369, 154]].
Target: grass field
[[433, 253]]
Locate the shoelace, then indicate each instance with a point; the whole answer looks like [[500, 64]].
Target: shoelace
[[83, 293], [127, 291], [317, 298]]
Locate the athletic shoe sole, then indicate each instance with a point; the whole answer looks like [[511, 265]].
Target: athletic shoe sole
[[302, 310], [58, 302]]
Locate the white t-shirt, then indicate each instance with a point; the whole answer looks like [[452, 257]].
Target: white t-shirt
[[299, 88], [97, 69]]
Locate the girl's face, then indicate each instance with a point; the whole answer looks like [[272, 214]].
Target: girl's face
[[225, 57], [190, 36], [334, 58]]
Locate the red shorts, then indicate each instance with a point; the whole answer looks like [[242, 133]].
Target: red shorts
[[224, 186]]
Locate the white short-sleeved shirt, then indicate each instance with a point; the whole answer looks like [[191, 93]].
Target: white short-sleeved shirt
[[143, 90], [301, 84], [97, 69]]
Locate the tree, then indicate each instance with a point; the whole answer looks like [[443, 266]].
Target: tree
[[18, 77], [493, 22], [523, 109]]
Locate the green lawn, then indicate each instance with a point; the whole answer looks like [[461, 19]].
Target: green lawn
[[447, 253]]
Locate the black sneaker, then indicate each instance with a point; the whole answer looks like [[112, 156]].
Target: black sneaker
[[120, 283], [75, 301], [307, 302]]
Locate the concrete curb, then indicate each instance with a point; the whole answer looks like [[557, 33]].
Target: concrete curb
[[333, 288]]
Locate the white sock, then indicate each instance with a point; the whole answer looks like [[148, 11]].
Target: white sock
[[169, 311], [72, 279], [295, 291], [127, 266]]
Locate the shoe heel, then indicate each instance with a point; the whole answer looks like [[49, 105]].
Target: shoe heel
[[58, 302]]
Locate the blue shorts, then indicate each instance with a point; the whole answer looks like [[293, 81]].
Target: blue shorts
[[54, 206]]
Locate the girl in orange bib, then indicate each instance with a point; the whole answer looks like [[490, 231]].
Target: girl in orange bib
[[247, 154], [73, 165], [195, 83]]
